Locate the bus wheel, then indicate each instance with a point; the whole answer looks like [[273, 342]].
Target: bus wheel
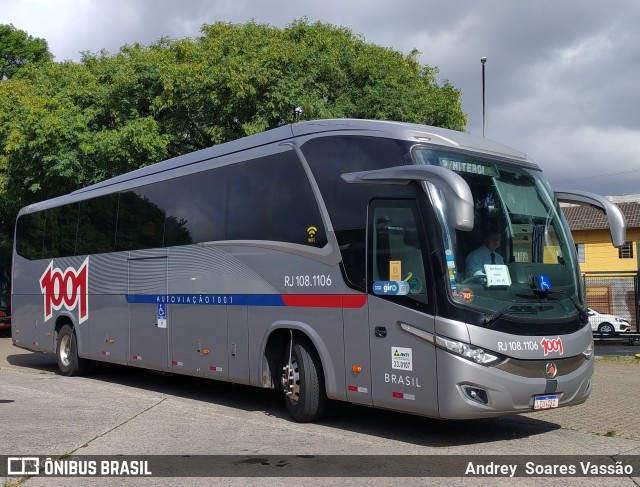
[[67, 353], [302, 382]]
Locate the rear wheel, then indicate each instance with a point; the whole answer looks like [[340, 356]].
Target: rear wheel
[[67, 353], [303, 382], [606, 328]]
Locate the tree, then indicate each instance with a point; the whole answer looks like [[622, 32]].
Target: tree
[[18, 48], [67, 125], [236, 80]]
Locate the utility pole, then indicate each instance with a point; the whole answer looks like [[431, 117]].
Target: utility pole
[[483, 60]]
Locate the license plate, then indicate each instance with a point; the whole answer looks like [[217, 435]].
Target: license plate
[[545, 402]]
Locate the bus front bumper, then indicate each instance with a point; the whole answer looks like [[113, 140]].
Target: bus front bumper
[[467, 390]]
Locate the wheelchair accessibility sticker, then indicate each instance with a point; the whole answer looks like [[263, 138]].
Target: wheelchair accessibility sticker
[[162, 315]]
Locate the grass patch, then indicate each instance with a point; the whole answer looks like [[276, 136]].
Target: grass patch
[[610, 433], [617, 358], [6, 483]]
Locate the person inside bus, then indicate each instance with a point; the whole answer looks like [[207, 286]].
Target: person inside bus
[[485, 254]]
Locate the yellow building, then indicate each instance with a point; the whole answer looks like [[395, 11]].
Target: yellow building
[[610, 274], [593, 242]]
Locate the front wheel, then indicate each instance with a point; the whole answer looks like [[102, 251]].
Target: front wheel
[[303, 382], [67, 353], [606, 328]]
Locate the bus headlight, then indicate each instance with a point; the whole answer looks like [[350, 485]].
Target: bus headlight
[[588, 352], [478, 355]]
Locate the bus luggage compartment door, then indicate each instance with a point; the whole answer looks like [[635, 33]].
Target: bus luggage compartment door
[[148, 321]]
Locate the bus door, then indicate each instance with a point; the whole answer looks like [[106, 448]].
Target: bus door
[[401, 309], [199, 321], [148, 323], [109, 321]]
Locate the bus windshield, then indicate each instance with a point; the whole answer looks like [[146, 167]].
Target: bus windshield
[[519, 259]]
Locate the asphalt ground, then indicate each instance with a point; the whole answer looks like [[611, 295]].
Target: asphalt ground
[[618, 349], [124, 411]]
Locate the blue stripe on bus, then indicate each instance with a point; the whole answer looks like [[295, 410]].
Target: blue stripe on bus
[[294, 300], [208, 299]]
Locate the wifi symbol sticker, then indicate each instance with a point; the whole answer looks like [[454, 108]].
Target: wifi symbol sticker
[[311, 231]]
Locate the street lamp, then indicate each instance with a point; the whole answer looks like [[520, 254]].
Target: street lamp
[[483, 60]]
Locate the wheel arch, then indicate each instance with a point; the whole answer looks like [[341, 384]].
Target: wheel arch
[[67, 319], [273, 348]]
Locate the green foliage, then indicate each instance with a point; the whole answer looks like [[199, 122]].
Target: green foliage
[[17, 48], [67, 125]]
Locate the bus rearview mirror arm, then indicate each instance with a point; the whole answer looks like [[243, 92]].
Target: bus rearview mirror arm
[[617, 221], [457, 194]]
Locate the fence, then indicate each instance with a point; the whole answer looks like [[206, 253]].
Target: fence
[[614, 293]]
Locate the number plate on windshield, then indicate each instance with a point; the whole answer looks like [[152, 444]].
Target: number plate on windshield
[[545, 402]]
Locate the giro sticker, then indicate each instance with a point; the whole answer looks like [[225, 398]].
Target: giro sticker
[[68, 288], [390, 288]]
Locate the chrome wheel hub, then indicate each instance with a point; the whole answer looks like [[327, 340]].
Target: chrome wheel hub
[[65, 350], [291, 381]]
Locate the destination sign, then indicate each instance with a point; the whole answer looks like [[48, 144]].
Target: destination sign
[[470, 167]]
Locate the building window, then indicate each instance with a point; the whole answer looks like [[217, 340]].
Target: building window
[[580, 252], [626, 251]]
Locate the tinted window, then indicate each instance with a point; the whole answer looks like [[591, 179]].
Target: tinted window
[[61, 228], [268, 198], [48, 234], [271, 199], [30, 235], [141, 218], [329, 158], [196, 208], [97, 225]]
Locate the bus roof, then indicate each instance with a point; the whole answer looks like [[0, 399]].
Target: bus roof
[[398, 130]]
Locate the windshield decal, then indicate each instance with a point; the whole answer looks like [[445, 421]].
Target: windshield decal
[[544, 283], [497, 275], [390, 288], [467, 294], [469, 167]]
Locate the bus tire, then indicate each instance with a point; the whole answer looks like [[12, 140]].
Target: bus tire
[[303, 382], [67, 353]]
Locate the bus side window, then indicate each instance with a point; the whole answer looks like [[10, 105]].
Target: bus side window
[[30, 235], [381, 242], [397, 249]]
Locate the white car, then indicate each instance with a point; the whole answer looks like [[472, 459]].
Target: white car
[[604, 323]]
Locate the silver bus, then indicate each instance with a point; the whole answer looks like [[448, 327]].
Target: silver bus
[[330, 259]]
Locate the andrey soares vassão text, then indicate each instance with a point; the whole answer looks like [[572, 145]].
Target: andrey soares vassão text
[[585, 468]]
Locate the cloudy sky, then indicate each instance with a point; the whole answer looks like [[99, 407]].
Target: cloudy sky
[[562, 77]]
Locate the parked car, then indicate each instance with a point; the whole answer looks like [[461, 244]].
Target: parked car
[[5, 313], [605, 323]]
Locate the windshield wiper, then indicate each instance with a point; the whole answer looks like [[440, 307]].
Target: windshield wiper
[[544, 293], [538, 294], [490, 319]]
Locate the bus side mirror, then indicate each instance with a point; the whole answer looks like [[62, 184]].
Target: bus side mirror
[[456, 191], [617, 221]]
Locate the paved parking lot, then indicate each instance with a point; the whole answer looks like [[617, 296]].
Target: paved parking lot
[[617, 348], [125, 411]]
